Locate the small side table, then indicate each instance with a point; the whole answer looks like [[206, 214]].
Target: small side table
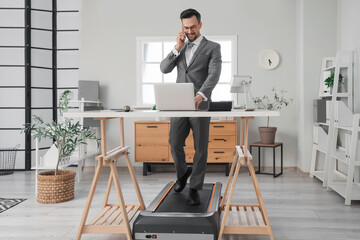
[[273, 146]]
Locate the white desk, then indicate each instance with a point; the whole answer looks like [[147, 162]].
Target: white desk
[[112, 218], [155, 113]]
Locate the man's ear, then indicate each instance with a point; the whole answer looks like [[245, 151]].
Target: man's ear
[[200, 25]]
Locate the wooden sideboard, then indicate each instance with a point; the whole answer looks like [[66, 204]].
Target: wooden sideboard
[[152, 143]]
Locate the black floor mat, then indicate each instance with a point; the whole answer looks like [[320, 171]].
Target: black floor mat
[[6, 203]]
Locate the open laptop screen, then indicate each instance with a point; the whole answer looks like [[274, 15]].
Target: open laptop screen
[[174, 96]]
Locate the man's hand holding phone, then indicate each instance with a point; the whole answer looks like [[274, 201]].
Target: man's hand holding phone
[[180, 39]]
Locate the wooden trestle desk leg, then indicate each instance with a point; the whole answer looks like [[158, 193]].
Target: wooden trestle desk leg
[[121, 199], [94, 182], [131, 169], [229, 180], [131, 209], [238, 161], [259, 197], [227, 206], [107, 193]]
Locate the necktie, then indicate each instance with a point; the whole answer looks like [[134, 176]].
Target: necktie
[[190, 44], [189, 52]]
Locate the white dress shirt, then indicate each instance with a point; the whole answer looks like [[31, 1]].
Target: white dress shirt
[[189, 53]]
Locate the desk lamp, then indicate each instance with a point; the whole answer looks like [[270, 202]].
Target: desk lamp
[[241, 84]]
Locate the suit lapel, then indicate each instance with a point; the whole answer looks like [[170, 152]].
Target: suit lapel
[[199, 48]]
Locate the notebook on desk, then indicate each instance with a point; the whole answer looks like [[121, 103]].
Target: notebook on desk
[[174, 97]]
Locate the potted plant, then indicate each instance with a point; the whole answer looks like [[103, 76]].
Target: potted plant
[[57, 186], [329, 81], [267, 134]]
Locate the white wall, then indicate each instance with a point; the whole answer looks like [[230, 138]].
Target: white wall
[[108, 50], [317, 29]]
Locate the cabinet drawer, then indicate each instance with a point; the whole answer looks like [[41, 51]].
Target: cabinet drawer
[[222, 128], [222, 141], [220, 155], [151, 134], [151, 154], [215, 141], [214, 155]]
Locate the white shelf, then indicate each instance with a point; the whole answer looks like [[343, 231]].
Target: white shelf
[[341, 156], [331, 68], [341, 94], [324, 124], [319, 175], [345, 94], [340, 188], [319, 149], [344, 128], [73, 160], [320, 138], [84, 101]]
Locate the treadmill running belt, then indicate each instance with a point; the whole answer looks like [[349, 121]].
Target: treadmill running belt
[[177, 202], [168, 217]]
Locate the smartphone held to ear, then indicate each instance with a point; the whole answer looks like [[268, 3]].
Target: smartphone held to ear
[[183, 38]]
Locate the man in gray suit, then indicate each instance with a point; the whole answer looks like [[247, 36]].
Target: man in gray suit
[[198, 61]]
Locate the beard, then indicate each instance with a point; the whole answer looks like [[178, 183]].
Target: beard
[[192, 36]]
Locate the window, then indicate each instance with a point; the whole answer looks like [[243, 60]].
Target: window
[[152, 50]]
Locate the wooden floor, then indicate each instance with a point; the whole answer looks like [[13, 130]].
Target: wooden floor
[[298, 207]]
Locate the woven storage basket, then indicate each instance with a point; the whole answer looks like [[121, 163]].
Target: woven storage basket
[[56, 189]]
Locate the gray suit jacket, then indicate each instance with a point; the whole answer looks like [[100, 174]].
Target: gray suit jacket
[[204, 69]]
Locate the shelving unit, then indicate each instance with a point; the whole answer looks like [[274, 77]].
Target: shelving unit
[[80, 104], [341, 165], [321, 139], [348, 185]]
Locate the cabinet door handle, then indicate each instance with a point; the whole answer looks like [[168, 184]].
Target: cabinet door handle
[[151, 126], [219, 152], [219, 126], [219, 139]]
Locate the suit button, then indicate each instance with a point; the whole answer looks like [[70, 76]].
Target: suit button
[[186, 72]]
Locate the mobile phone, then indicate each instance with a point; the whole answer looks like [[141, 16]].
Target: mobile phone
[[184, 38]]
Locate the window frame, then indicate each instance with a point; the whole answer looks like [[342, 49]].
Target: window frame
[[140, 40]]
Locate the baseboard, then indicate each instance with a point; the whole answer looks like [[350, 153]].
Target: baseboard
[[302, 173]]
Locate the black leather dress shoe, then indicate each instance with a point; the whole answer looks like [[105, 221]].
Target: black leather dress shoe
[[181, 182], [194, 197]]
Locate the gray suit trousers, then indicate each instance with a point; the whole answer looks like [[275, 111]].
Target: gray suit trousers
[[179, 131]]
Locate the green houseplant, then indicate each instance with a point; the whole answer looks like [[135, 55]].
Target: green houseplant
[[329, 82], [67, 135], [275, 102]]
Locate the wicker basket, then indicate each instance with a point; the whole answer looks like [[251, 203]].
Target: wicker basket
[[56, 189]]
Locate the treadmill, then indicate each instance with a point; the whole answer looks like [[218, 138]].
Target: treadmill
[[169, 217]]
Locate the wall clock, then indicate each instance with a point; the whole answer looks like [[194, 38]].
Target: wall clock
[[269, 59]]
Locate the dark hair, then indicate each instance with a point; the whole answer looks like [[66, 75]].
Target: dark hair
[[188, 13]]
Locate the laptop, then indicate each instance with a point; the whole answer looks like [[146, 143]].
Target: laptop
[[174, 96]]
